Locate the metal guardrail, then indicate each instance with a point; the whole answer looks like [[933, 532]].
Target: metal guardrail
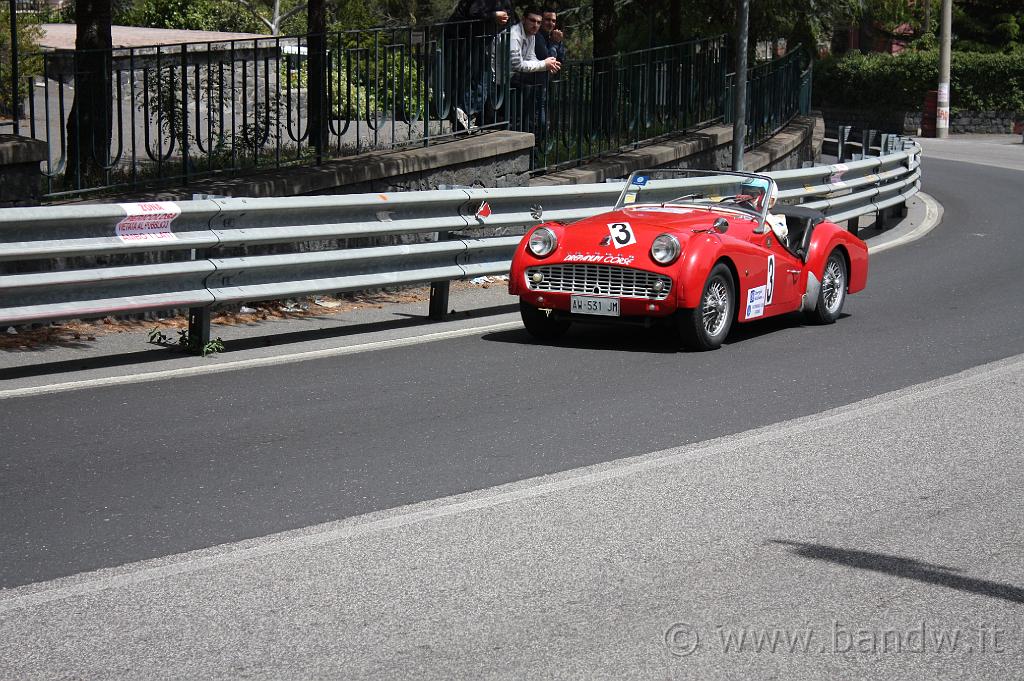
[[203, 243]]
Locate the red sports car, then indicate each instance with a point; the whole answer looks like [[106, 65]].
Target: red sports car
[[700, 249]]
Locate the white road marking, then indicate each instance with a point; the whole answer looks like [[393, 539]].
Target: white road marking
[[932, 218], [304, 539], [256, 362]]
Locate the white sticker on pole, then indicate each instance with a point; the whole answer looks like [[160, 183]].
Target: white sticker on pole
[[149, 221], [942, 117], [944, 92]]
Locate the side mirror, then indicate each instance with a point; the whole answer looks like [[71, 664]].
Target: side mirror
[[721, 225]]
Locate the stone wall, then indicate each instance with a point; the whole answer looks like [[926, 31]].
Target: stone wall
[[488, 159], [19, 171], [710, 149], [909, 122]]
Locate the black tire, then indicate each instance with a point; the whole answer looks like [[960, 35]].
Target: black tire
[[832, 294], [540, 324], [706, 326]]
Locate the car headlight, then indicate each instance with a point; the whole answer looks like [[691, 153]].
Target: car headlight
[[543, 242], [665, 249]]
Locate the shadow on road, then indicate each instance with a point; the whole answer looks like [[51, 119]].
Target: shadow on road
[[907, 568], [264, 339], [598, 337]]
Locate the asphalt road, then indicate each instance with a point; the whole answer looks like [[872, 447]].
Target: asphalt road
[[815, 524]]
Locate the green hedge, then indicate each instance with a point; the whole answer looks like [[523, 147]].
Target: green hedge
[[882, 82]]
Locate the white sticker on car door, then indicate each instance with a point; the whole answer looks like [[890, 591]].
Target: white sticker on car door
[[755, 302]]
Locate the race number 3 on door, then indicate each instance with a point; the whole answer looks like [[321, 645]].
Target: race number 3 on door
[[622, 234]]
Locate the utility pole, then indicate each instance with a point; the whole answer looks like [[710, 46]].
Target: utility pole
[[945, 46], [14, 68], [739, 92]]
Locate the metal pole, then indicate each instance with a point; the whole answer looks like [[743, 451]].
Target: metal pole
[[14, 66], [945, 45], [739, 120]]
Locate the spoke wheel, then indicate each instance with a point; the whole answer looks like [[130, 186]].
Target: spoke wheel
[[706, 326], [833, 289]]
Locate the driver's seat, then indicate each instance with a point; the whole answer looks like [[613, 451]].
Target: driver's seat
[[801, 222]]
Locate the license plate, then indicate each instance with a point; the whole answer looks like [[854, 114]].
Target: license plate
[[608, 307]]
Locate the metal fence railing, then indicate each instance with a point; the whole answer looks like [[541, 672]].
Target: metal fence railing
[[776, 92], [159, 256], [604, 105], [166, 115], [172, 113]]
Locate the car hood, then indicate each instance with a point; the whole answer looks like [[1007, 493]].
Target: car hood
[[592, 240]]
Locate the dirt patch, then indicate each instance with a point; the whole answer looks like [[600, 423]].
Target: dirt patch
[[78, 333]]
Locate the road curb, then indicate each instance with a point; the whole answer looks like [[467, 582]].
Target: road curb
[[912, 228]]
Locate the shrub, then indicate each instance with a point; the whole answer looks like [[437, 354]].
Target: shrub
[[882, 82], [30, 62]]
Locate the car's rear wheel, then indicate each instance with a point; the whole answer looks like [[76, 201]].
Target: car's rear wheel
[[540, 324], [706, 326], [832, 293]]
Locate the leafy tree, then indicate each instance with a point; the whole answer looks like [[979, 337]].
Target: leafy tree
[[988, 25], [200, 15], [29, 61]]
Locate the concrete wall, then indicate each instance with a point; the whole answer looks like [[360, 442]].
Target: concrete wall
[[710, 149], [487, 159], [19, 171]]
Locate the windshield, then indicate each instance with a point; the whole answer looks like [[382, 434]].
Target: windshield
[[728, 191]]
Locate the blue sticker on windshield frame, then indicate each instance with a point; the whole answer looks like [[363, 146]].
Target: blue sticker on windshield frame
[[640, 180]]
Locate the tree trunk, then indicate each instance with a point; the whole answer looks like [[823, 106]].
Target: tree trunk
[[605, 26], [675, 17], [319, 106], [90, 121]]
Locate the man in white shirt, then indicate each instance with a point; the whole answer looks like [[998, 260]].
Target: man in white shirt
[[524, 60], [523, 39]]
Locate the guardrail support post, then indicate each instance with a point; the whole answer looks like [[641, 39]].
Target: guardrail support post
[[844, 138], [853, 226], [198, 328], [439, 291], [198, 318]]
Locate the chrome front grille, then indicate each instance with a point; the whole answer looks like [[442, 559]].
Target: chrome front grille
[[598, 280]]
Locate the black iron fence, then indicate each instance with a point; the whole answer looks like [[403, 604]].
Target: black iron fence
[[777, 91], [596, 106], [166, 115]]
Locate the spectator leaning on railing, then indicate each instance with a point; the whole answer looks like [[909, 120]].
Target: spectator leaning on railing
[[549, 43], [524, 61]]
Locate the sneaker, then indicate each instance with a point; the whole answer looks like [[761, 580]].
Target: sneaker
[[461, 119]]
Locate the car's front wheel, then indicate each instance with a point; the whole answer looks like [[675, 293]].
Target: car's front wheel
[[540, 324], [706, 326], [832, 294]]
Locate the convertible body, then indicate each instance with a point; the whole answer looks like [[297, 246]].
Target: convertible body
[[703, 263]]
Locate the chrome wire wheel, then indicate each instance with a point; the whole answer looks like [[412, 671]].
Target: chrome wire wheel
[[706, 325], [832, 292], [833, 286], [715, 310]]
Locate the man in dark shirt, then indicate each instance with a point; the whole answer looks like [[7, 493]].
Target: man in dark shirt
[[468, 52], [549, 43]]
